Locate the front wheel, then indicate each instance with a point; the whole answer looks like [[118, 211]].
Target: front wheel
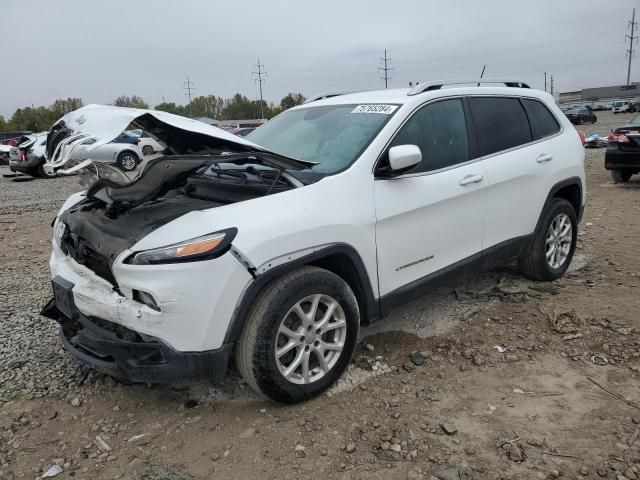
[[554, 243], [299, 335], [127, 161], [620, 176]]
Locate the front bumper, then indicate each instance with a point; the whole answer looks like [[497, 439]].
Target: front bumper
[[124, 354], [195, 300], [616, 159]]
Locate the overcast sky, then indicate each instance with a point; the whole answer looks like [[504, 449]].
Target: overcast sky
[[98, 50]]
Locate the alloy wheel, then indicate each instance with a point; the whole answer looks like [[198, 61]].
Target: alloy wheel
[[559, 239], [310, 339], [128, 162]]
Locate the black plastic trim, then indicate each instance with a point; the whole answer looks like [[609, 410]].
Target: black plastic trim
[[137, 358], [485, 260], [559, 186], [369, 307]]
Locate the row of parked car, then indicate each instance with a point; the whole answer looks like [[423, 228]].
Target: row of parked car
[[126, 152]]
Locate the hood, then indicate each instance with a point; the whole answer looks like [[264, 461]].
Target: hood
[[183, 136]]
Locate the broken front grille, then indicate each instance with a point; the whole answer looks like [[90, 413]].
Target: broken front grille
[[79, 249]]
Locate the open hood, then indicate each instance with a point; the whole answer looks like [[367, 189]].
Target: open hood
[[183, 136]]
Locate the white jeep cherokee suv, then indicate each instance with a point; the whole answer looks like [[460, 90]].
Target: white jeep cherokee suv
[[274, 250]]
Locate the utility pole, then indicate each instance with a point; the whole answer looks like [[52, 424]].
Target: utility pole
[[188, 86], [386, 69], [258, 74], [633, 24], [551, 84], [545, 81]]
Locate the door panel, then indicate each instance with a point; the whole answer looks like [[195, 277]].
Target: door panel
[[428, 222], [518, 188]]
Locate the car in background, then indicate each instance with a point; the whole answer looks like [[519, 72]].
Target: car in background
[[126, 156], [149, 145], [623, 106], [29, 157], [243, 132], [622, 157], [581, 115]]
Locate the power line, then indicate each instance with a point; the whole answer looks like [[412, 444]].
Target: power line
[[188, 86], [386, 69], [259, 80], [633, 24]]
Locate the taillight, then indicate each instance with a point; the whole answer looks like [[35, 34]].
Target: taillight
[[22, 156], [618, 138], [582, 135]]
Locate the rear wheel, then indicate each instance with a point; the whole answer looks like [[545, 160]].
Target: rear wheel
[[147, 150], [554, 243], [127, 161], [620, 176], [299, 335]]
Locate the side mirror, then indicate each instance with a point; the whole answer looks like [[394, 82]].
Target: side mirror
[[404, 157]]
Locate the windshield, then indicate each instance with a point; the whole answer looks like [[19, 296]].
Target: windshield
[[635, 120], [333, 136], [618, 104]]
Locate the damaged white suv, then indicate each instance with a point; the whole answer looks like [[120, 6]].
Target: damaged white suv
[[274, 250]]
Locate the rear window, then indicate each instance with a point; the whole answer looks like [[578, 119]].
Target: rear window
[[543, 123], [500, 123]]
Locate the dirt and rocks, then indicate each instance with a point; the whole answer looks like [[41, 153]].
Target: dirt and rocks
[[495, 377]]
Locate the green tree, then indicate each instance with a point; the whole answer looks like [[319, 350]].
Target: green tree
[[206, 106], [239, 107], [61, 106], [291, 100], [171, 107], [133, 101], [4, 126]]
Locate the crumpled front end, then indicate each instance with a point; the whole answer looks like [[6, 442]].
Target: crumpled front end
[[156, 323]]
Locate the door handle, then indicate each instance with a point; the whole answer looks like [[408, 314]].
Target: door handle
[[544, 158], [469, 179]]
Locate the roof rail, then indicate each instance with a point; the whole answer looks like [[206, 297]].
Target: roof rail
[[322, 96], [438, 84]]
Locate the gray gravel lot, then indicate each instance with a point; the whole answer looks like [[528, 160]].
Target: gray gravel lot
[[31, 355]]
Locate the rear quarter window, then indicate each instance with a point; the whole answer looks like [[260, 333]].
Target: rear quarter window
[[543, 122], [500, 123]]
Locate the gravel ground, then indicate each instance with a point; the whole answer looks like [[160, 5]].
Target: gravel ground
[[495, 377]]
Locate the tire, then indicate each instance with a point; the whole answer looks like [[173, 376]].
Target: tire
[[255, 353], [147, 150], [620, 176], [578, 121], [127, 161], [534, 263], [42, 173]]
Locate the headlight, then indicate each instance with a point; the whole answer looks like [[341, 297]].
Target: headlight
[[200, 248]]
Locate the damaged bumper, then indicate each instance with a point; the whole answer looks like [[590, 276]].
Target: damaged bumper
[[112, 330], [124, 354]]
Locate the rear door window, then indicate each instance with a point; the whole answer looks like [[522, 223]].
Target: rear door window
[[543, 122], [440, 130], [500, 123]]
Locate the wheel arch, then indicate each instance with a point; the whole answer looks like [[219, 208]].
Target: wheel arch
[[340, 259], [129, 150], [571, 190]]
